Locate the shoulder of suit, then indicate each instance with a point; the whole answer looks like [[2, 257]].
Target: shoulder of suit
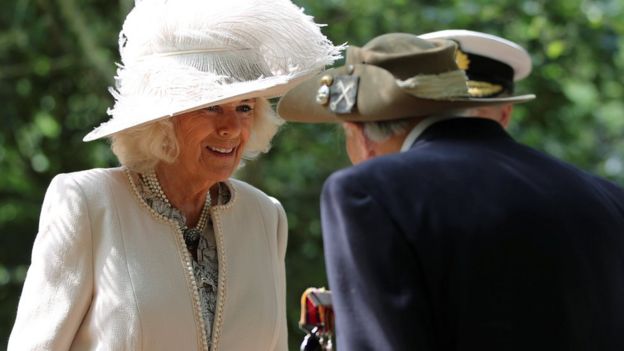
[[95, 186], [94, 178], [610, 186], [362, 177], [372, 169]]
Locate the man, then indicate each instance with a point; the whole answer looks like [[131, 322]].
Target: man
[[492, 65], [467, 240]]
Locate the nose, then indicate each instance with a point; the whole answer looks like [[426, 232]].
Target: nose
[[229, 125]]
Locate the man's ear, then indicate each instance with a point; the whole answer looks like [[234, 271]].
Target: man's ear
[[505, 115], [359, 146], [370, 146]]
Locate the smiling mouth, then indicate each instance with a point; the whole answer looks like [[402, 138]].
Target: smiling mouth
[[221, 151]]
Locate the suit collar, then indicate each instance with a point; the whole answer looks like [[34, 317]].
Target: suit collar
[[462, 128], [419, 128]]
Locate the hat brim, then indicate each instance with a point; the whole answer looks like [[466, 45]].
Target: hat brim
[[379, 98], [269, 88]]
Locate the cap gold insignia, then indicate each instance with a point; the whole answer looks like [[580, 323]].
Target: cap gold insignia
[[462, 60], [483, 89]]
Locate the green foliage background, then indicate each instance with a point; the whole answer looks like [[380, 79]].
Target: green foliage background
[[57, 60]]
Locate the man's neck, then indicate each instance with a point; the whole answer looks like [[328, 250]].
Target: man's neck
[[390, 145]]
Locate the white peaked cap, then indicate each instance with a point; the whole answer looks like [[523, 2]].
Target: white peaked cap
[[490, 46]]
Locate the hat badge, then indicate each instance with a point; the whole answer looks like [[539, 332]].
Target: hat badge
[[339, 92], [462, 60]]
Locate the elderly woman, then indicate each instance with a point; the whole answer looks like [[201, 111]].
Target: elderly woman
[[167, 252]]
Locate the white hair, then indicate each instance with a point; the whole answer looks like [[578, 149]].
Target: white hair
[[141, 148], [380, 131]]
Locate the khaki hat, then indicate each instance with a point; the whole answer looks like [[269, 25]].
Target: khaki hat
[[394, 76]]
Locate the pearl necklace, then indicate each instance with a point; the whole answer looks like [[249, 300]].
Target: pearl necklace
[[191, 235]]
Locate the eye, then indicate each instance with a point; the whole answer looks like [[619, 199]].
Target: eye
[[244, 108]]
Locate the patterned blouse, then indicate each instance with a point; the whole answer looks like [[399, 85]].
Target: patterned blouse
[[205, 264]]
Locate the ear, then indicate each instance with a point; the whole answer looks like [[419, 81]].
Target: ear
[[352, 130], [370, 147], [505, 115], [359, 147]]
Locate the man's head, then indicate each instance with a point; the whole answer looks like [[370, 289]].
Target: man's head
[[492, 65], [386, 88], [365, 140]]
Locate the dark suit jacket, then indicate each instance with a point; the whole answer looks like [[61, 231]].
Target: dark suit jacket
[[471, 241]]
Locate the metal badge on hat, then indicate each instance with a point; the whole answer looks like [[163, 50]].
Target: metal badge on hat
[[339, 91], [462, 60]]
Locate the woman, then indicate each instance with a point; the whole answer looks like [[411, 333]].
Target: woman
[[166, 252]]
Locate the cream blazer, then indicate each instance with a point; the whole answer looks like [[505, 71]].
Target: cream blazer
[[108, 274]]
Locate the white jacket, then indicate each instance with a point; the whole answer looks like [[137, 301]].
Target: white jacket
[[108, 274]]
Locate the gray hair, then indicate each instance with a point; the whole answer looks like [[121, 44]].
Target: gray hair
[[380, 131], [141, 148]]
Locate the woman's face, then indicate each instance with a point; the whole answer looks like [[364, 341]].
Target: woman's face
[[212, 140]]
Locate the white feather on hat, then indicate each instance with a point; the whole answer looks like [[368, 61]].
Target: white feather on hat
[[183, 55]]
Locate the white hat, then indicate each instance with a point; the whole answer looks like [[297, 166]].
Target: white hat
[[184, 55], [488, 58]]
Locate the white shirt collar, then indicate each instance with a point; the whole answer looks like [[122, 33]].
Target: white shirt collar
[[419, 128]]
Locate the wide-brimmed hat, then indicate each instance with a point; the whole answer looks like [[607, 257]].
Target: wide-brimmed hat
[[179, 56], [394, 76], [492, 63]]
